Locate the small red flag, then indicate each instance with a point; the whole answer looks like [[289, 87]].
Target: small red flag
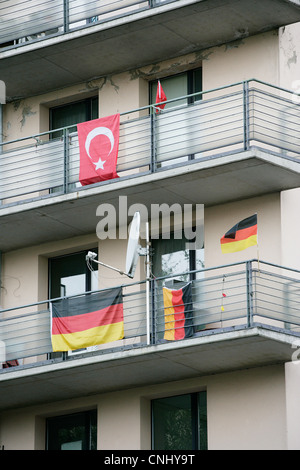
[[98, 147], [160, 97]]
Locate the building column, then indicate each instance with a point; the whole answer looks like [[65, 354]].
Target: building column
[[292, 387]]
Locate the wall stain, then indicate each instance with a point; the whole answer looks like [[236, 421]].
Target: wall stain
[[26, 112], [292, 60]]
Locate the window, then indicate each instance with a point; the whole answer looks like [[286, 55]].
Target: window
[[173, 256], [176, 128], [73, 113], [182, 84], [69, 275], [72, 432], [180, 422]]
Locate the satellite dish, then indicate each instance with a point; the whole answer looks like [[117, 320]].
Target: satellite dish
[[133, 247], [134, 250]]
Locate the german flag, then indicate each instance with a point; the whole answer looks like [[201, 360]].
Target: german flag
[[240, 236], [88, 320], [178, 311]]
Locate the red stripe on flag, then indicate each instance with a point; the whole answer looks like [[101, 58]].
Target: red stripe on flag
[[76, 323], [242, 234], [179, 315]]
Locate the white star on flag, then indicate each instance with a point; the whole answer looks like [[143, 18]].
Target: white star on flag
[[99, 164]]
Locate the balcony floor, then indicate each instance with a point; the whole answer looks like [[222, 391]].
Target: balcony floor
[[213, 181], [216, 352], [139, 39]]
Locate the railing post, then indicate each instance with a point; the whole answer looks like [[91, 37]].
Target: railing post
[[66, 15], [154, 312], [249, 287], [66, 159], [153, 141], [246, 114]]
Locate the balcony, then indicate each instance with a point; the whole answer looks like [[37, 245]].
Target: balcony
[[58, 40], [237, 141], [244, 315]]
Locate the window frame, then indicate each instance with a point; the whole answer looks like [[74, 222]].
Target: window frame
[[90, 419], [88, 274], [191, 84], [87, 102], [199, 437]]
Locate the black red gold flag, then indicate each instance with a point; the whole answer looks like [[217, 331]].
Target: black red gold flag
[[240, 236], [178, 311], [87, 320]]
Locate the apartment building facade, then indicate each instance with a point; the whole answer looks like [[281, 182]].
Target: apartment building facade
[[224, 147]]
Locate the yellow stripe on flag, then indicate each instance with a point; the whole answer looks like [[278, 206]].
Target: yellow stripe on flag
[[169, 315], [239, 245], [92, 337]]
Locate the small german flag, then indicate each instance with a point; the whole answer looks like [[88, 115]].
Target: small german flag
[[240, 236], [178, 310]]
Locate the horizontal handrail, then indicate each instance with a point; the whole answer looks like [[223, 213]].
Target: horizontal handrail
[[219, 121], [238, 294]]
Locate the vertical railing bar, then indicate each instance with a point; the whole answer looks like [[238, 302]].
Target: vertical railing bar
[[246, 114], [66, 15], [154, 311], [249, 290], [153, 143], [66, 160]]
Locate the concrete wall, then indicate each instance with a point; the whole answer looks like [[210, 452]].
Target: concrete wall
[[292, 384], [246, 410]]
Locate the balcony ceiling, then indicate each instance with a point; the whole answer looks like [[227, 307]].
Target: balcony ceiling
[[215, 353], [146, 37], [215, 181]]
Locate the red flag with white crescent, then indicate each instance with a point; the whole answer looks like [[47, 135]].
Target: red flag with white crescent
[[98, 147]]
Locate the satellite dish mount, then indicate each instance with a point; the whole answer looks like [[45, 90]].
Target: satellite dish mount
[[134, 250]]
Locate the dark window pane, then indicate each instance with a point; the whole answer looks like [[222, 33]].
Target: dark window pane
[[180, 422], [202, 419], [72, 432], [69, 275], [172, 423], [73, 113]]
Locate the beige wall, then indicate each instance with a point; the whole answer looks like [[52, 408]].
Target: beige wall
[[246, 410], [290, 228], [25, 271], [254, 57], [289, 57]]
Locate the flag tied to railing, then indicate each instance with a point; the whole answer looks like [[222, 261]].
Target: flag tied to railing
[[240, 236], [178, 312], [160, 97], [98, 148], [87, 320]]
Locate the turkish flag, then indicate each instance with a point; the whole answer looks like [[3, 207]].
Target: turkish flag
[[98, 148], [160, 96]]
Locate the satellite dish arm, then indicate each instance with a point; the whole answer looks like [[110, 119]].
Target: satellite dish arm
[[91, 256]]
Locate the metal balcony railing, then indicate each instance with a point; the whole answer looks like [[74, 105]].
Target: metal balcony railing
[[190, 129], [240, 295], [23, 21]]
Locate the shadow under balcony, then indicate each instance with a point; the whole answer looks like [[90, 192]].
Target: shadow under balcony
[[243, 315], [235, 142], [63, 42]]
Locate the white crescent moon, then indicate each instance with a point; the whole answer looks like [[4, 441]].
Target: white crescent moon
[[99, 131]]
